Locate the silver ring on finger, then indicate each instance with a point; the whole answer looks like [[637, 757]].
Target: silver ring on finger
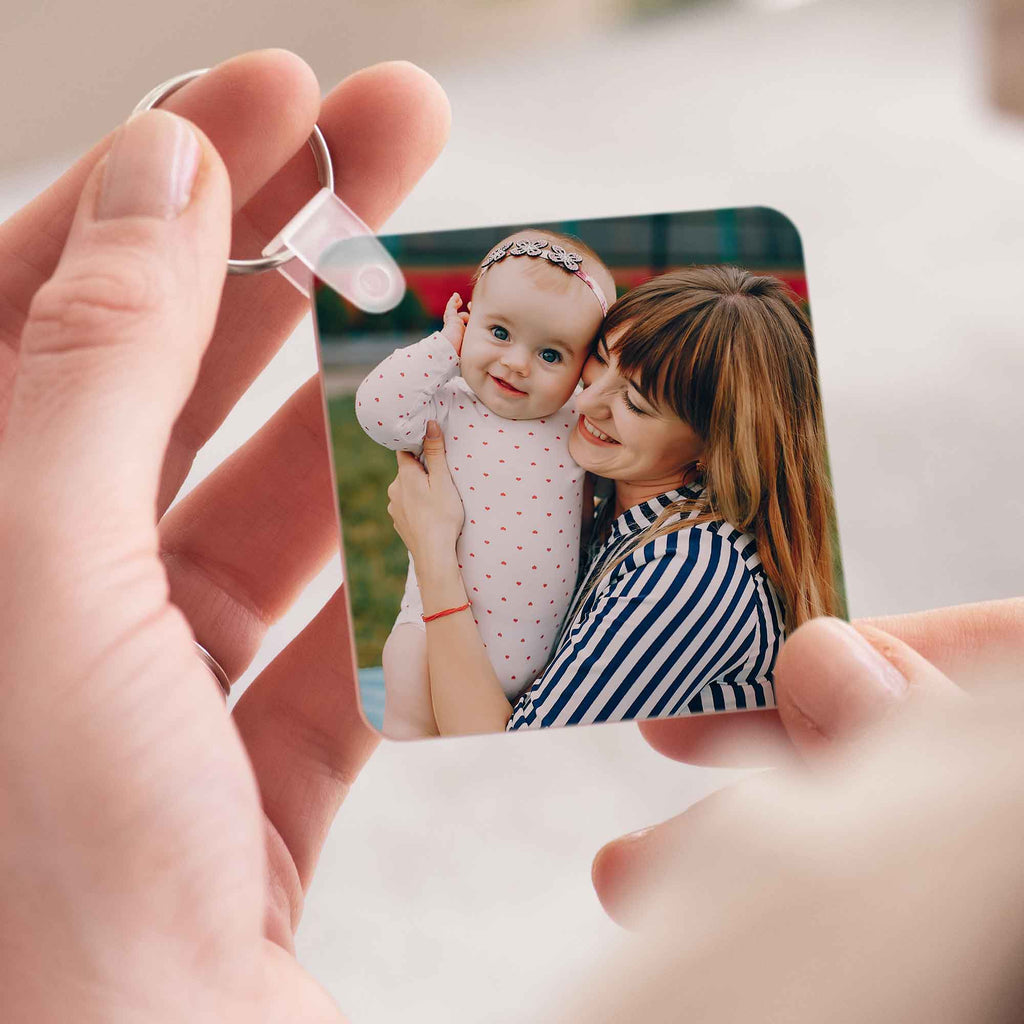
[[215, 667]]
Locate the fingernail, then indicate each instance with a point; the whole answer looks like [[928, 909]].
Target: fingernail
[[851, 683], [151, 168], [433, 430], [862, 655]]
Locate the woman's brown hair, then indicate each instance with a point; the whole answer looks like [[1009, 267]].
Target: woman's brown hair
[[732, 354]]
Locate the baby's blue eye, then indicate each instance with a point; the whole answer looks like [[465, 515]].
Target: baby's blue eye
[[549, 355], [500, 333]]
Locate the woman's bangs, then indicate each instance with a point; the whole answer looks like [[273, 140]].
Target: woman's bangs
[[647, 352]]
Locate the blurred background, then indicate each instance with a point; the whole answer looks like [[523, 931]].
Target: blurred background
[[455, 885]]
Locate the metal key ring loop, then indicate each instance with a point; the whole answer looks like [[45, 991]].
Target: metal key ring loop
[[317, 143]]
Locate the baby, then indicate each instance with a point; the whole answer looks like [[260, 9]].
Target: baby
[[538, 300]]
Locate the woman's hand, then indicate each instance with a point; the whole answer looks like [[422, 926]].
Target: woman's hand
[[834, 683], [887, 885], [425, 506], [156, 851]]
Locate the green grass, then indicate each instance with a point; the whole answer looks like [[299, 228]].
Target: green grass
[[375, 557]]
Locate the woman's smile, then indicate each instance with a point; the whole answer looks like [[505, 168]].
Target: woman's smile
[[590, 433]]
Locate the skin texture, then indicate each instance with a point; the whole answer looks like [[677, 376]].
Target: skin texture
[[155, 848]]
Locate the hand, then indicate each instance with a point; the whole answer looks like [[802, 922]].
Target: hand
[[155, 850], [455, 322], [893, 861], [822, 701], [425, 506], [833, 682], [886, 886]]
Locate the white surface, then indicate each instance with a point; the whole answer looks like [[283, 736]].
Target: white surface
[[455, 886]]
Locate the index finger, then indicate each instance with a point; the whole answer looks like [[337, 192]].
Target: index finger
[[974, 644]]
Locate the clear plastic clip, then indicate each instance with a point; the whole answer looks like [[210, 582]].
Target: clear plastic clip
[[331, 242]]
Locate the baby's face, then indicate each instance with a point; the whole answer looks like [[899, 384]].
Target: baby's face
[[527, 339]]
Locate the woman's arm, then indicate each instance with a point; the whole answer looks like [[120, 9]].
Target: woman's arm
[[428, 515], [464, 687]]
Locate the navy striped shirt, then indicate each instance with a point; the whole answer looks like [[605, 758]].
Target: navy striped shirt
[[687, 623]]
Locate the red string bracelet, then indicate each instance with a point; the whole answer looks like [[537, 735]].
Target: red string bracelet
[[447, 611]]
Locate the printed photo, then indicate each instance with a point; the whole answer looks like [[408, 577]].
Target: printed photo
[[581, 472]]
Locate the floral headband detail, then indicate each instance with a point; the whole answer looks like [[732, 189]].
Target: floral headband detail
[[544, 250]]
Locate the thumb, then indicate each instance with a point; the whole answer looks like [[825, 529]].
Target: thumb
[[113, 341], [832, 681], [433, 447]]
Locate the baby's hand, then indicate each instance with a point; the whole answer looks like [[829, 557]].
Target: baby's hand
[[455, 322]]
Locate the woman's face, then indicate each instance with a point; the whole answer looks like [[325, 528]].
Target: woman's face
[[622, 436]]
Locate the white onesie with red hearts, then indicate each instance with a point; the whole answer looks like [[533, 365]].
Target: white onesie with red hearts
[[522, 494]]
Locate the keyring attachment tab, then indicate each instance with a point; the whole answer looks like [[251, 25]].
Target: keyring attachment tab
[[332, 243], [325, 238]]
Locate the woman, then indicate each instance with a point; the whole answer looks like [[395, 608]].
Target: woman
[[701, 405]]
